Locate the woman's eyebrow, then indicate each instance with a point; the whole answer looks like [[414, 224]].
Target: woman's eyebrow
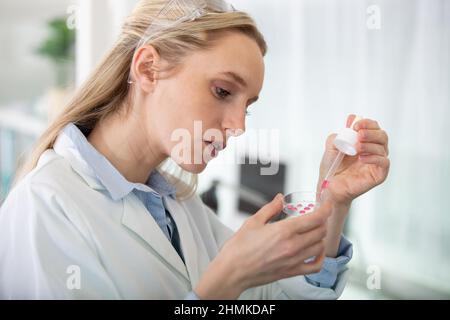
[[240, 81], [236, 78]]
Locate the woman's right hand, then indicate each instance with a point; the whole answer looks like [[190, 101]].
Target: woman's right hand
[[262, 252]]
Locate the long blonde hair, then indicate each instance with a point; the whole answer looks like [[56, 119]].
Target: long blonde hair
[[106, 89]]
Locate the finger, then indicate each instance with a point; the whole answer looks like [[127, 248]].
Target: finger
[[374, 136], [270, 210], [383, 162], [366, 124], [324, 209], [350, 120], [370, 149], [310, 221]]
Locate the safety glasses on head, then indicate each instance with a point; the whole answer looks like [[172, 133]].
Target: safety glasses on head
[[176, 12]]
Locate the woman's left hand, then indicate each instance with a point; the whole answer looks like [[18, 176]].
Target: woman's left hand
[[358, 174]]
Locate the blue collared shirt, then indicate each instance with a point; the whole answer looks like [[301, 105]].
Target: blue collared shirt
[[157, 187]]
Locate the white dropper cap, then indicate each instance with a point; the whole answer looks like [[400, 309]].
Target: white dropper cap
[[347, 138]]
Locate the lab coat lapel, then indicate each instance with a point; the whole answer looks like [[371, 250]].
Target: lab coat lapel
[[138, 219], [135, 216], [188, 244]]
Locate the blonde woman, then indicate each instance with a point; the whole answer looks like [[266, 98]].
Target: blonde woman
[[98, 212]]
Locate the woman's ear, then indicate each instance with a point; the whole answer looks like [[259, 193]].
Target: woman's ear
[[143, 68]]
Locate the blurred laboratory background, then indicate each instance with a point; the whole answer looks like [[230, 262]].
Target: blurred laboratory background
[[382, 59]]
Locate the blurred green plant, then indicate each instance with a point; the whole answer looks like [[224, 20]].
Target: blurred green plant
[[59, 47]]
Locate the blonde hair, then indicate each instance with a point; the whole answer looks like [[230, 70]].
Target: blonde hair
[[106, 89]]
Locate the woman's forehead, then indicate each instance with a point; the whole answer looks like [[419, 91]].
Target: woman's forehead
[[234, 55]]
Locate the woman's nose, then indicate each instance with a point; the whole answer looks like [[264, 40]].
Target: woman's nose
[[234, 132], [234, 122]]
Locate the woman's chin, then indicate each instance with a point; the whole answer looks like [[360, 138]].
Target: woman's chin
[[194, 168]]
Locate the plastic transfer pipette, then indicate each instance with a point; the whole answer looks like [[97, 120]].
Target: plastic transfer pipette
[[331, 172], [345, 142]]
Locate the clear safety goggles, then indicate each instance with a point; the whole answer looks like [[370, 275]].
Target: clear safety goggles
[[175, 12]]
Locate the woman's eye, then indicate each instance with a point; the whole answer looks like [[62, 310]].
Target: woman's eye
[[222, 93]]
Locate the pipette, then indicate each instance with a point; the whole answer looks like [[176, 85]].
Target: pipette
[[345, 142], [331, 172]]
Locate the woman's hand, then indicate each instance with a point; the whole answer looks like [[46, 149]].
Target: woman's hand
[[357, 175], [262, 252]]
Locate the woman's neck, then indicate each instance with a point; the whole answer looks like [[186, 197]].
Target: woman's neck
[[124, 141]]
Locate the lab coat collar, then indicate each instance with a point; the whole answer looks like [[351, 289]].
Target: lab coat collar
[[101, 173]]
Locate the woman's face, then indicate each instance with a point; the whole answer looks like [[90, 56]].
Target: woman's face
[[204, 100]]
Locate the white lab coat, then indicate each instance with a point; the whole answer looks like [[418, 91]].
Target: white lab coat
[[63, 237]]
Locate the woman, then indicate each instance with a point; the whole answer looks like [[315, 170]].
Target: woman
[[98, 213]]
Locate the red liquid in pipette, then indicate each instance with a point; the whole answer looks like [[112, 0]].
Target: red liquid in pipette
[[325, 185]]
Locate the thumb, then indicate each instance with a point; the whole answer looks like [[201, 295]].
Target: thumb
[[270, 210]]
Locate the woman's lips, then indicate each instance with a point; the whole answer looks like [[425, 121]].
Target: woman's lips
[[218, 145], [214, 152], [215, 148]]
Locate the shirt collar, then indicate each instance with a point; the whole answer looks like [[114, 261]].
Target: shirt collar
[[113, 181]]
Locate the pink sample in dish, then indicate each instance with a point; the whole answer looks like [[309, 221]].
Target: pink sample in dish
[[300, 203]]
